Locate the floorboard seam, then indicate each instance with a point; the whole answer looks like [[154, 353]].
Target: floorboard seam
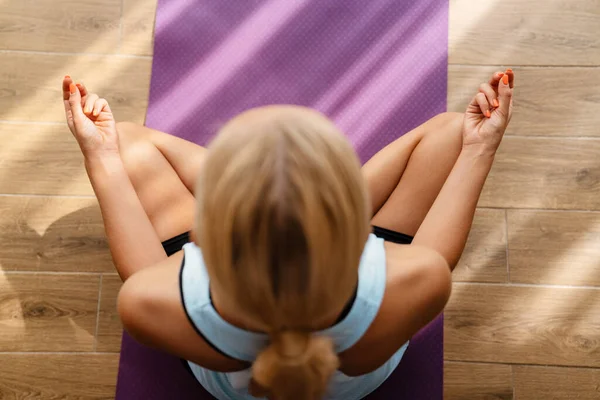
[[98, 313]]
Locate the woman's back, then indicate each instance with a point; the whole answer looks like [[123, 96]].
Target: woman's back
[[416, 280], [246, 346]]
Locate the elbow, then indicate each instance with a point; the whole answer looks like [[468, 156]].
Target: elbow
[[440, 279], [444, 288], [126, 304], [453, 257], [450, 259], [452, 262], [442, 252], [130, 305]]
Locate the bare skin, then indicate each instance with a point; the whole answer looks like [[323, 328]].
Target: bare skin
[[144, 180]]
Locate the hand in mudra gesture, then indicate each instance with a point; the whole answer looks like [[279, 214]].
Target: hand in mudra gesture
[[489, 113], [90, 120]]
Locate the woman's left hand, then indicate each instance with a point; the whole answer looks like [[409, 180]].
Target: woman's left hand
[[489, 113], [90, 120]]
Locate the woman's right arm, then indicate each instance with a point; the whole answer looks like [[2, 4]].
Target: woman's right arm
[[447, 225], [133, 242]]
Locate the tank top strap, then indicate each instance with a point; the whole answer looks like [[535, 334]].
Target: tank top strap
[[369, 295], [195, 294]]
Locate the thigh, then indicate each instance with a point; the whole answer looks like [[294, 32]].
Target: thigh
[[406, 176], [185, 157], [163, 170]]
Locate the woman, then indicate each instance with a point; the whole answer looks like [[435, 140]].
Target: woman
[[297, 281]]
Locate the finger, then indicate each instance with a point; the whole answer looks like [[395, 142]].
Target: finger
[[68, 114], [66, 94], [504, 95], [511, 77], [496, 78], [65, 87], [89, 103], [82, 89], [75, 104], [83, 92], [483, 104], [99, 106], [490, 94]]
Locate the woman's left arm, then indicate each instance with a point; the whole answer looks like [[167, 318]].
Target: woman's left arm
[[132, 239]]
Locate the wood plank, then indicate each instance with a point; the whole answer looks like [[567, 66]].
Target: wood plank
[[110, 328], [60, 25], [37, 158], [523, 324], [58, 376], [52, 234], [533, 32], [138, 26], [48, 312], [471, 381], [31, 84], [553, 383], [554, 247], [484, 257], [557, 173], [540, 102]]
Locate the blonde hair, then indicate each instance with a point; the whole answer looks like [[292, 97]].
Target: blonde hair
[[282, 221]]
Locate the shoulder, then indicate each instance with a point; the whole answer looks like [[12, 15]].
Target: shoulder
[[419, 283], [418, 286], [412, 265], [152, 312]]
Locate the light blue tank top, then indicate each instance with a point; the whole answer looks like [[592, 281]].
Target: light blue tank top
[[244, 345]]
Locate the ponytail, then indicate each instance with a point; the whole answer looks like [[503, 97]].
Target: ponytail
[[295, 366]]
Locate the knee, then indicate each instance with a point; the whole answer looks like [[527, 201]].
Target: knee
[[449, 125], [134, 145], [127, 129], [444, 131], [450, 119], [450, 116], [131, 134]]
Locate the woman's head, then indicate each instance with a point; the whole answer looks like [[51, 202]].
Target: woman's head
[[282, 221]]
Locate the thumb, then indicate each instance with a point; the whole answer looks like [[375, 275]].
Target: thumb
[[75, 102], [505, 93]]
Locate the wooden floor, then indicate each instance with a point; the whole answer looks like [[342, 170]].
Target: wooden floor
[[524, 318]]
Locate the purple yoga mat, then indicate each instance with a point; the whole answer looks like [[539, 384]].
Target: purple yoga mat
[[378, 68]]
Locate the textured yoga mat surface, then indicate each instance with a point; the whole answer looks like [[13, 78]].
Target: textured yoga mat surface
[[147, 374], [378, 68]]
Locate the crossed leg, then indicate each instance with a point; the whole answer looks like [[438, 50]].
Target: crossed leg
[[163, 170], [403, 179]]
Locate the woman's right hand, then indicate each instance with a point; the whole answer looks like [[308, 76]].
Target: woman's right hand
[[90, 120], [489, 113]]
